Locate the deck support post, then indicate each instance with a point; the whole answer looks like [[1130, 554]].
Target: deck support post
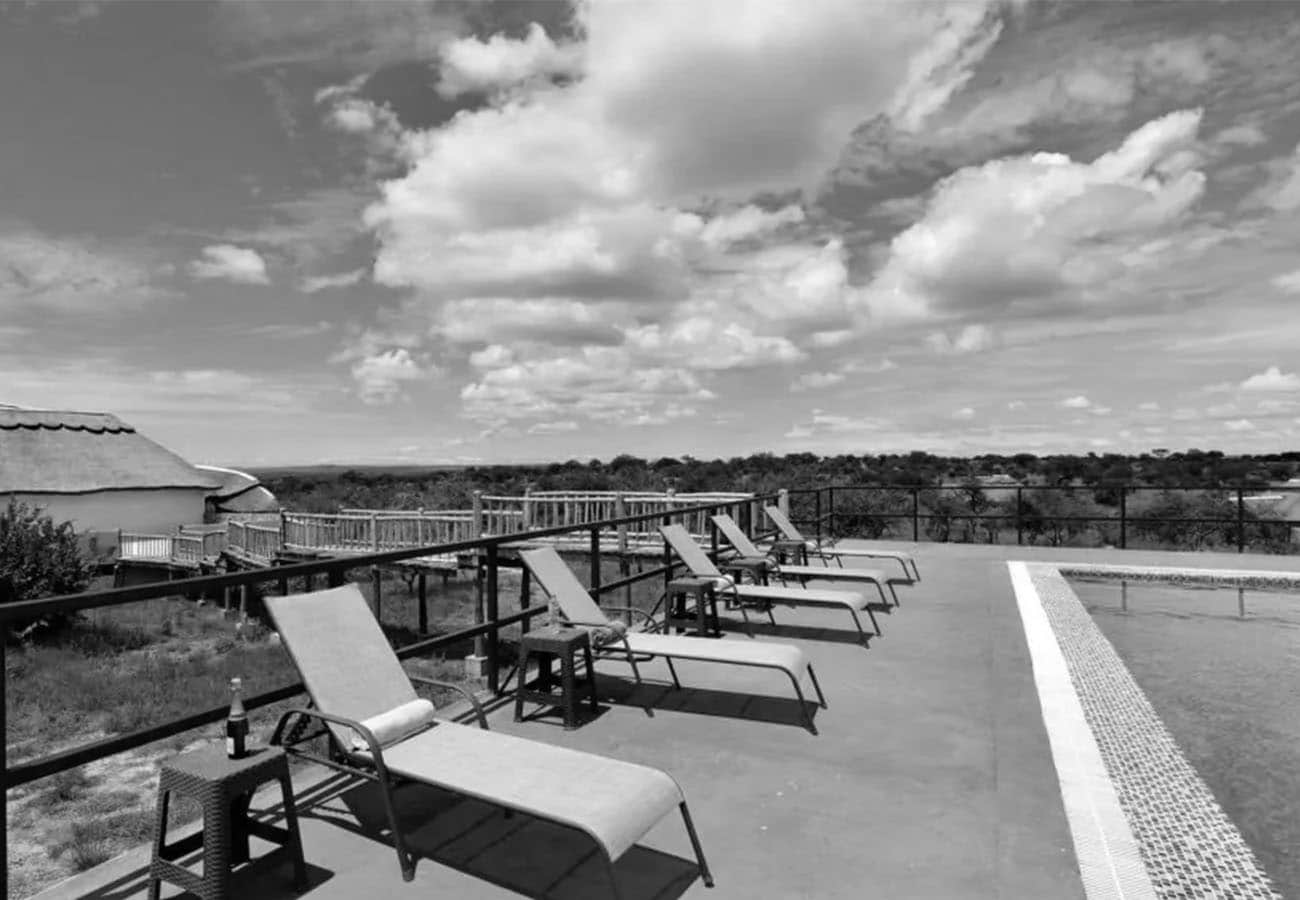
[[421, 586]]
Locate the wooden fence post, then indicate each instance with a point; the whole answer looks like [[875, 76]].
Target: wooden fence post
[[783, 501], [477, 517]]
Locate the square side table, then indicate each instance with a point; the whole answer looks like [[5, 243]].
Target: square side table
[[547, 644], [223, 787]]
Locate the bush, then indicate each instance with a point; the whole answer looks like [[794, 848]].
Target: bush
[[39, 559]]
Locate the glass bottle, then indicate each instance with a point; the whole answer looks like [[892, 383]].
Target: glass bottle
[[236, 723]]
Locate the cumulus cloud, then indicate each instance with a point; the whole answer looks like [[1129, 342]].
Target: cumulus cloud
[[1281, 188], [380, 377], [965, 414], [1288, 282], [41, 271], [500, 62], [559, 427], [1030, 227], [813, 381], [1077, 402], [230, 263], [318, 283], [971, 339], [1272, 379], [1239, 425], [614, 196]]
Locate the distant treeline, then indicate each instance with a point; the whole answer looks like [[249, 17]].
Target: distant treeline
[[328, 490]]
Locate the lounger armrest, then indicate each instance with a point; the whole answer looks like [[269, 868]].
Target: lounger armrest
[[633, 610], [617, 639], [367, 735], [460, 689]]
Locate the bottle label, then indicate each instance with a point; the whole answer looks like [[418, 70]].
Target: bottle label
[[230, 746]]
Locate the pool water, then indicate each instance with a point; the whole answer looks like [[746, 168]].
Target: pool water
[[1227, 687]]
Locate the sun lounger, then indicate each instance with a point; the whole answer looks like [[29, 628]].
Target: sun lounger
[[613, 640], [827, 552], [736, 536], [383, 731], [699, 564]]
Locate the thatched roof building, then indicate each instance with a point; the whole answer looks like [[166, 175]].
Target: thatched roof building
[[97, 471]]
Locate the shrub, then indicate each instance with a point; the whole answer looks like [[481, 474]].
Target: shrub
[[39, 559]]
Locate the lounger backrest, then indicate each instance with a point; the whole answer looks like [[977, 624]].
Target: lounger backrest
[[782, 521], [690, 552], [344, 658], [736, 536], [558, 580]]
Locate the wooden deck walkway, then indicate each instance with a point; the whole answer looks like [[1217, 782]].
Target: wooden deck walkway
[[267, 539]]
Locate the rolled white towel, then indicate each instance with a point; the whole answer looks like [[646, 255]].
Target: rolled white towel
[[397, 724]]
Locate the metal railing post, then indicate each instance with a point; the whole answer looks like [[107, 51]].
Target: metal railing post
[[595, 562], [7, 595], [668, 558], [830, 509], [525, 596], [916, 514], [1123, 518], [479, 600], [817, 511], [1241, 521], [493, 636], [1020, 527], [422, 598]]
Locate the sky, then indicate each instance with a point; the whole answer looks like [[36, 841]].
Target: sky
[[291, 232]]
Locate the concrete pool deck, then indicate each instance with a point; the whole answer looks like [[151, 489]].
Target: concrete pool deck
[[933, 775]]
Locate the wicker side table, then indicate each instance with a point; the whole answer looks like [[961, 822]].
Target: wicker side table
[[677, 615], [223, 787], [795, 551], [738, 566], [547, 644]]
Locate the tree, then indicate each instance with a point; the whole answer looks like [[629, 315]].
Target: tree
[[39, 559]]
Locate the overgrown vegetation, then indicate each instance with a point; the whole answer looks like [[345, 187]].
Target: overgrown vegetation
[[39, 558], [1064, 500]]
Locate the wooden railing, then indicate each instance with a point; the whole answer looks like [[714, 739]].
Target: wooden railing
[[354, 531]]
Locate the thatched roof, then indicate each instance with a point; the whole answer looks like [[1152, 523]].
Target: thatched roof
[[56, 452], [238, 491]]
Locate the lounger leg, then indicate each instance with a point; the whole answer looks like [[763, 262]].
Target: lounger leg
[[803, 704], [821, 698], [399, 844], [677, 684], [631, 661], [614, 890], [749, 629], [862, 635], [705, 875]]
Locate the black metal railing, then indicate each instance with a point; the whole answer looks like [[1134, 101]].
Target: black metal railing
[[488, 625], [1174, 518]]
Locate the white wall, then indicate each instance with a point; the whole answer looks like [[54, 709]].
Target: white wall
[[150, 512]]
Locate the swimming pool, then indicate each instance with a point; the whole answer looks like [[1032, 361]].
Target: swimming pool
[[1220, 664]]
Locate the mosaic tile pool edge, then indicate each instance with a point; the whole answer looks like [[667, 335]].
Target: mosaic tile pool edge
[[1190, 847]]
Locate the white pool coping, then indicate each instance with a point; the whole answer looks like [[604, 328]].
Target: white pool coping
[[1109, 856], [1190, 843]]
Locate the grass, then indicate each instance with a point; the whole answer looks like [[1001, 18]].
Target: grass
[[1225, 688]]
